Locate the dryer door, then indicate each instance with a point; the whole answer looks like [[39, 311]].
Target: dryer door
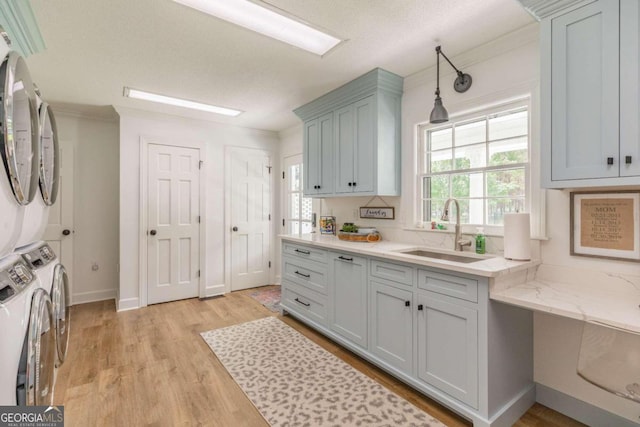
[[37, 388], [61, 312], [50, 162], [19, 139]]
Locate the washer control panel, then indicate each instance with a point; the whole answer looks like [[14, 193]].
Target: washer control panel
[[40, 256], [14, 280]]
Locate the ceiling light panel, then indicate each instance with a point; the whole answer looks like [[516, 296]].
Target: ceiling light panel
[[153, 97], [268, 22]]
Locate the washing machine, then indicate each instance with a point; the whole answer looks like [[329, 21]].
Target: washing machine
[[53, 278], [19, 142], [28, 341]]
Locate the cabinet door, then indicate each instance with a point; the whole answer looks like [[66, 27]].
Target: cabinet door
[[318, 155], [364, 148], [448, 346], [311, 157], [344, 140], [348, 297], [325, 156], [585, 92], [391, 324], [630, 88]]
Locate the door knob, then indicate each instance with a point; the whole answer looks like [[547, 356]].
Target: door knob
[[66, 232], [235, 229], [153, 232]]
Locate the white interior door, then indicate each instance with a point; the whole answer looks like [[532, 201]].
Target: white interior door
[[250, 218], [59, 231], [173, 223]]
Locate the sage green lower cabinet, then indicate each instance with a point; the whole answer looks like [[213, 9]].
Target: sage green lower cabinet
[[348, 296], [448, 345], [391, 324], [434, 329]]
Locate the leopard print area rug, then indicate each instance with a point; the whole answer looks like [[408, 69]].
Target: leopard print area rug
[[294, 382]]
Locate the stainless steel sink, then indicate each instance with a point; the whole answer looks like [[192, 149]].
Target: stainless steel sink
[[444, 256]]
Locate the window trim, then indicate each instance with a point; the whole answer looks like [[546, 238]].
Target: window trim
[[533, 194]]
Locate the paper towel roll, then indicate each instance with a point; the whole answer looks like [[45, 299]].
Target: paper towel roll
[[517, 236]]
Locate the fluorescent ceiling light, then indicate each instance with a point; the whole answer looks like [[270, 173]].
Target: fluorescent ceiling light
[[268, 22], [147, 96]]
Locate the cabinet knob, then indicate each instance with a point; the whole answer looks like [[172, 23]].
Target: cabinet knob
[[354, 184], [234, 229], [153, 232], [627, 160], [407, 303], [350, 184], [420, 307], [609, 160], [319, 187]]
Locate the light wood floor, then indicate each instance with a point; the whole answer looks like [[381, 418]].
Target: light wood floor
[[150, 367]]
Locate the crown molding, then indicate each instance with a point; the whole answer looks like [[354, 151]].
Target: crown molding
[[501, 45], [540, 9], [18, 20]]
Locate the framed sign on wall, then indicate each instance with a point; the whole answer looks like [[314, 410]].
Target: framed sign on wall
[[605, 224]]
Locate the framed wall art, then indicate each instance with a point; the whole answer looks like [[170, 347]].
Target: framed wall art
[[605, 224]]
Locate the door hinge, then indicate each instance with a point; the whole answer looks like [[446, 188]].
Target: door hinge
[[283, 222], [200, 164], [269, 264], [198, 273], [282, 174], [269, 217], [269, 167], [198, 219]]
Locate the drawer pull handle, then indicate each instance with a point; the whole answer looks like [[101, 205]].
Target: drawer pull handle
[[302, 274], [609, 160], [420, 307], [345, 258], [407, 303], [303, 303], [627, 160], [303, 252]]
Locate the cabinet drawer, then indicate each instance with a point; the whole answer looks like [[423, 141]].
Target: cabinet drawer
[[446, 284], [305, 252], [390, 271], [304, 303], [309, 274]]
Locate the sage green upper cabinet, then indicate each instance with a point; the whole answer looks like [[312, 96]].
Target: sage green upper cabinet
[[630, 88], [361, 154], [589, 105], [354, 150], [318, 155]]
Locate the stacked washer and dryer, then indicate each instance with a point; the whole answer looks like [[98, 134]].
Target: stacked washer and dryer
[[34, 315]]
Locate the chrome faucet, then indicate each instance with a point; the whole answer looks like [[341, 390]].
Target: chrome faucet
[[459, 243]]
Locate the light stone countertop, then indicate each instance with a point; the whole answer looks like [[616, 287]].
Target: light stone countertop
[[489, 266], [613, 301]]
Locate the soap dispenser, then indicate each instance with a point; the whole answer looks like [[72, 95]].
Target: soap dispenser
[[481, 244]]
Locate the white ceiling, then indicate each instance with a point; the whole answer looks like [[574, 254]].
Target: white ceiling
[[95, 47]]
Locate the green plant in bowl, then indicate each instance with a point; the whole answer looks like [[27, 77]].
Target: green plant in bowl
[[350, 228]]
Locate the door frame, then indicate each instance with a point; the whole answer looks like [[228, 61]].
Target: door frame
[[228, 150], [145, 141]]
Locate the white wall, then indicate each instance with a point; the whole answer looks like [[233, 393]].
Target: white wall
[[95, 144], [501, 70], [135, 124]]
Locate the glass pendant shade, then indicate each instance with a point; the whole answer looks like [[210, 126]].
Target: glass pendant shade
[[439, 114]]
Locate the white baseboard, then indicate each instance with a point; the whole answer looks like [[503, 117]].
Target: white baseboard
[[516, 408], [92, 296], [579, 410], [127, 304]]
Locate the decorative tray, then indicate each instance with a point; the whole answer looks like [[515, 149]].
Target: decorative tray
[[359, 237]]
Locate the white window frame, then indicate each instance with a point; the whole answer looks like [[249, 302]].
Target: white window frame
[[286, 192], [533, 194]]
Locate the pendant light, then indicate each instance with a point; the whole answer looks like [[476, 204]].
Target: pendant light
[[462, 83]]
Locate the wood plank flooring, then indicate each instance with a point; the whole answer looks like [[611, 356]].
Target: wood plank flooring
[[150, 367]]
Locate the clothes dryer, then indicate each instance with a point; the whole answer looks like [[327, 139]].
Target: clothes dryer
[[19, 139], [36, 214], [27, 353]]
